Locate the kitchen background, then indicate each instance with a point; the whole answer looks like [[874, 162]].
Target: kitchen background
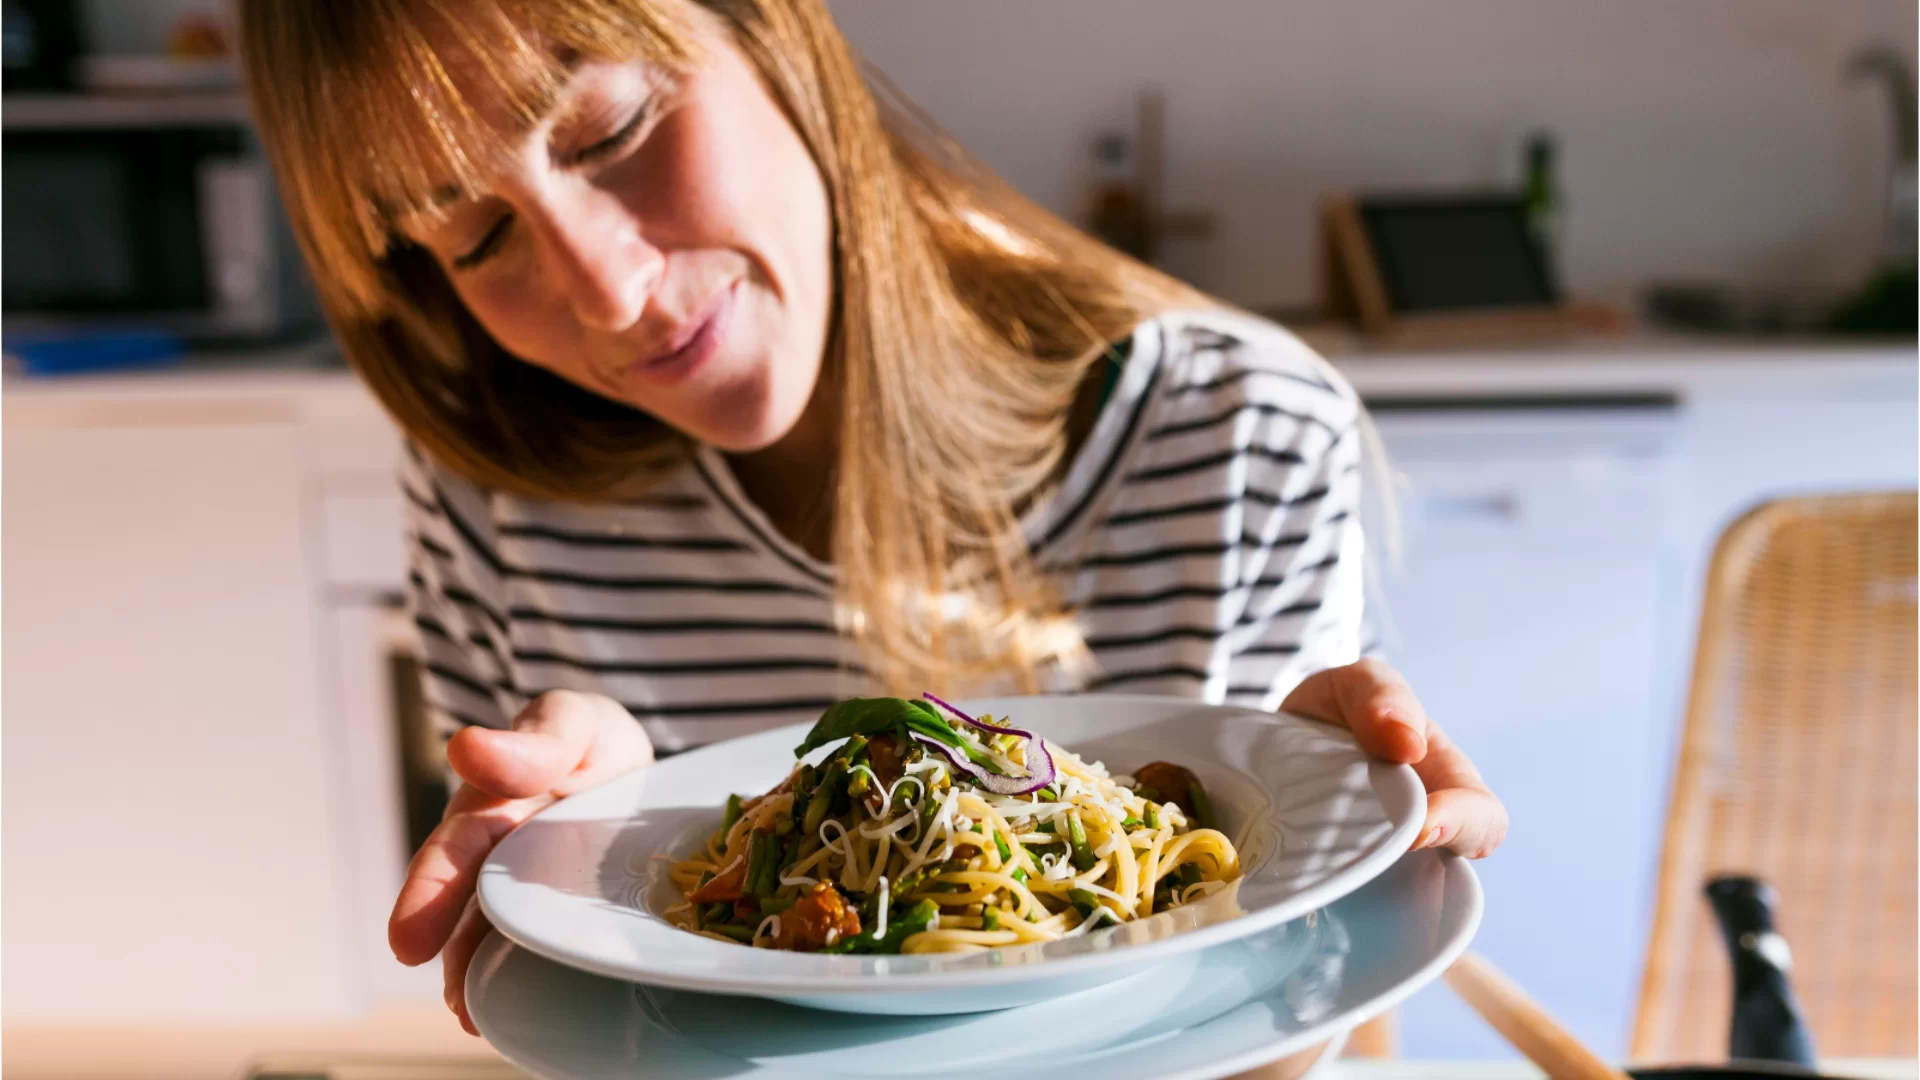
[[1714, 139], [204, 695]]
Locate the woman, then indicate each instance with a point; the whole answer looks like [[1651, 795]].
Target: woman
[[732, 389]]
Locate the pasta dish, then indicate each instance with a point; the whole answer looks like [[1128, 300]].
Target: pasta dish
[[928, 830]]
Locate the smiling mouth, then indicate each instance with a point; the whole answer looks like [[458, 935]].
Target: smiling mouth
[[692, 343]]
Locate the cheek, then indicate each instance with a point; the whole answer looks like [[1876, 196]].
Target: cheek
[[743, 178], [522, 321]]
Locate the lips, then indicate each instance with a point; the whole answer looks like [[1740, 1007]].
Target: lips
[[693, 342]]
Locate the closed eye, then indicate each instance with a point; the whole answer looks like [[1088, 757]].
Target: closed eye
[[486, 247], [614, 142]]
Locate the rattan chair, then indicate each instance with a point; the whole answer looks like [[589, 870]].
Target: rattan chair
[[1798, 765]]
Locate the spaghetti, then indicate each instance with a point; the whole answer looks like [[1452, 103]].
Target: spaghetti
[[927, 830]]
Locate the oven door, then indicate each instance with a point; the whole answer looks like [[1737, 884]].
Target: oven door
[[172, 227], [394, 774]]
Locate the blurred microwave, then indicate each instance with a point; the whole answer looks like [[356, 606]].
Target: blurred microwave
[[147, 212]]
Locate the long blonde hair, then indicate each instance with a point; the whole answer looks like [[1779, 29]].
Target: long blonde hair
[[964, 318]]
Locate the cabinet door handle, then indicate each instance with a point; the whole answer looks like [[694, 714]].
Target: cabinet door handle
[[1498, 506]]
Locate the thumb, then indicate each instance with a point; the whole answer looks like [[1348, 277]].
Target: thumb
[[1464, 821], [549, 740]]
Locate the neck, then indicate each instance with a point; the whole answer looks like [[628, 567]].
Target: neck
[[791, 481]]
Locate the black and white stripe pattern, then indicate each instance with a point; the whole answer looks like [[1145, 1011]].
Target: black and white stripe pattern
[[1208, 534]]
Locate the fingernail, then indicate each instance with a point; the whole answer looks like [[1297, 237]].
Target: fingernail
[[1435, 837], [1396, 721]]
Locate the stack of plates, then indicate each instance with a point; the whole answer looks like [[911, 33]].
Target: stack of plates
[[1329, 925]]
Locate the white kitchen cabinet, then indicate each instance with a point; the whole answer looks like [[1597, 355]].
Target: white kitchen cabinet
[[1525, 615], [1546, 614], [173, 846], [202, 804]]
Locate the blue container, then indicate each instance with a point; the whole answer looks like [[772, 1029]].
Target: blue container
[[77, 353]]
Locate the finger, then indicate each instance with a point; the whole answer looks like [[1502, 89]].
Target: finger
[[440, 879], [458, 958], [547, 741], [1465, 821], [560, 740], [1445, 765], [1371, 700], [1463, 815]]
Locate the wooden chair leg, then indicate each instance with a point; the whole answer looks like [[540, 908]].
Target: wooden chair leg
[[1377, 1038]]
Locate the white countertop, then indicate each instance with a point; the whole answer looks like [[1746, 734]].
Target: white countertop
[[1399, 1069], [290, 383]]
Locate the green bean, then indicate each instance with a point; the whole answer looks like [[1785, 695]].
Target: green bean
[[1083, 856], [908, 882], [990, 919], [700, 910], [741, 934], [717, 912], [853, 750], [1083, 900], [1153, 816], [1048, 794], [822, 801], [1019, 873], [782, 824], [1202, 806], [774, 905], [733, 814], [1000, 845], [1131, 822], [769, 880], [916, 919], [1045, 827], [757, 843], [860, 784]]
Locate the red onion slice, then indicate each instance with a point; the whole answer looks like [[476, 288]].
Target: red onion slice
[[1040, 772], [975, 723], [999, 785]]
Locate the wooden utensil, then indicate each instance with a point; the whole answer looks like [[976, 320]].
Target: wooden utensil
[[1525, 1024]]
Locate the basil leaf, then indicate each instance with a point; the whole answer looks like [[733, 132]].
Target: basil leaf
[[857, 716]]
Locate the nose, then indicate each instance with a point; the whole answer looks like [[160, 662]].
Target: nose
[[598, 257]]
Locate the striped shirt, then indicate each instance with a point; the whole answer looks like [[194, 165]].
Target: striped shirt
[[1207, 534]]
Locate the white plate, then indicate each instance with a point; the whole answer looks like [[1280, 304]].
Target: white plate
[[1313, 818], [1206, 1014]]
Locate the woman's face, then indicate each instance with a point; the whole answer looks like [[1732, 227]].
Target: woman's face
[[661, 241]]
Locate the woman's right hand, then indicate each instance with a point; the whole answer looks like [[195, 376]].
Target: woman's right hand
[[562, 742]]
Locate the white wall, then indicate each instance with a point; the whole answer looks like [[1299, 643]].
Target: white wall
[[1707, 138], [1700, 138]]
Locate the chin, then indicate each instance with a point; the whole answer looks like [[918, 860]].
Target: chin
[[743, 423], [743, 441]]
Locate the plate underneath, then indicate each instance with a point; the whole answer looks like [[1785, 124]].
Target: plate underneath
[[1205, 1014], [1313, 818]]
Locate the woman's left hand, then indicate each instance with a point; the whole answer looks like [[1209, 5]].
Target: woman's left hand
[[1371, 700]]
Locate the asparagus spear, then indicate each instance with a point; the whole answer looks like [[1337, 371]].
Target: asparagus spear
[[1083, 856], [757, 844], [917, 918], [1202, 806]]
